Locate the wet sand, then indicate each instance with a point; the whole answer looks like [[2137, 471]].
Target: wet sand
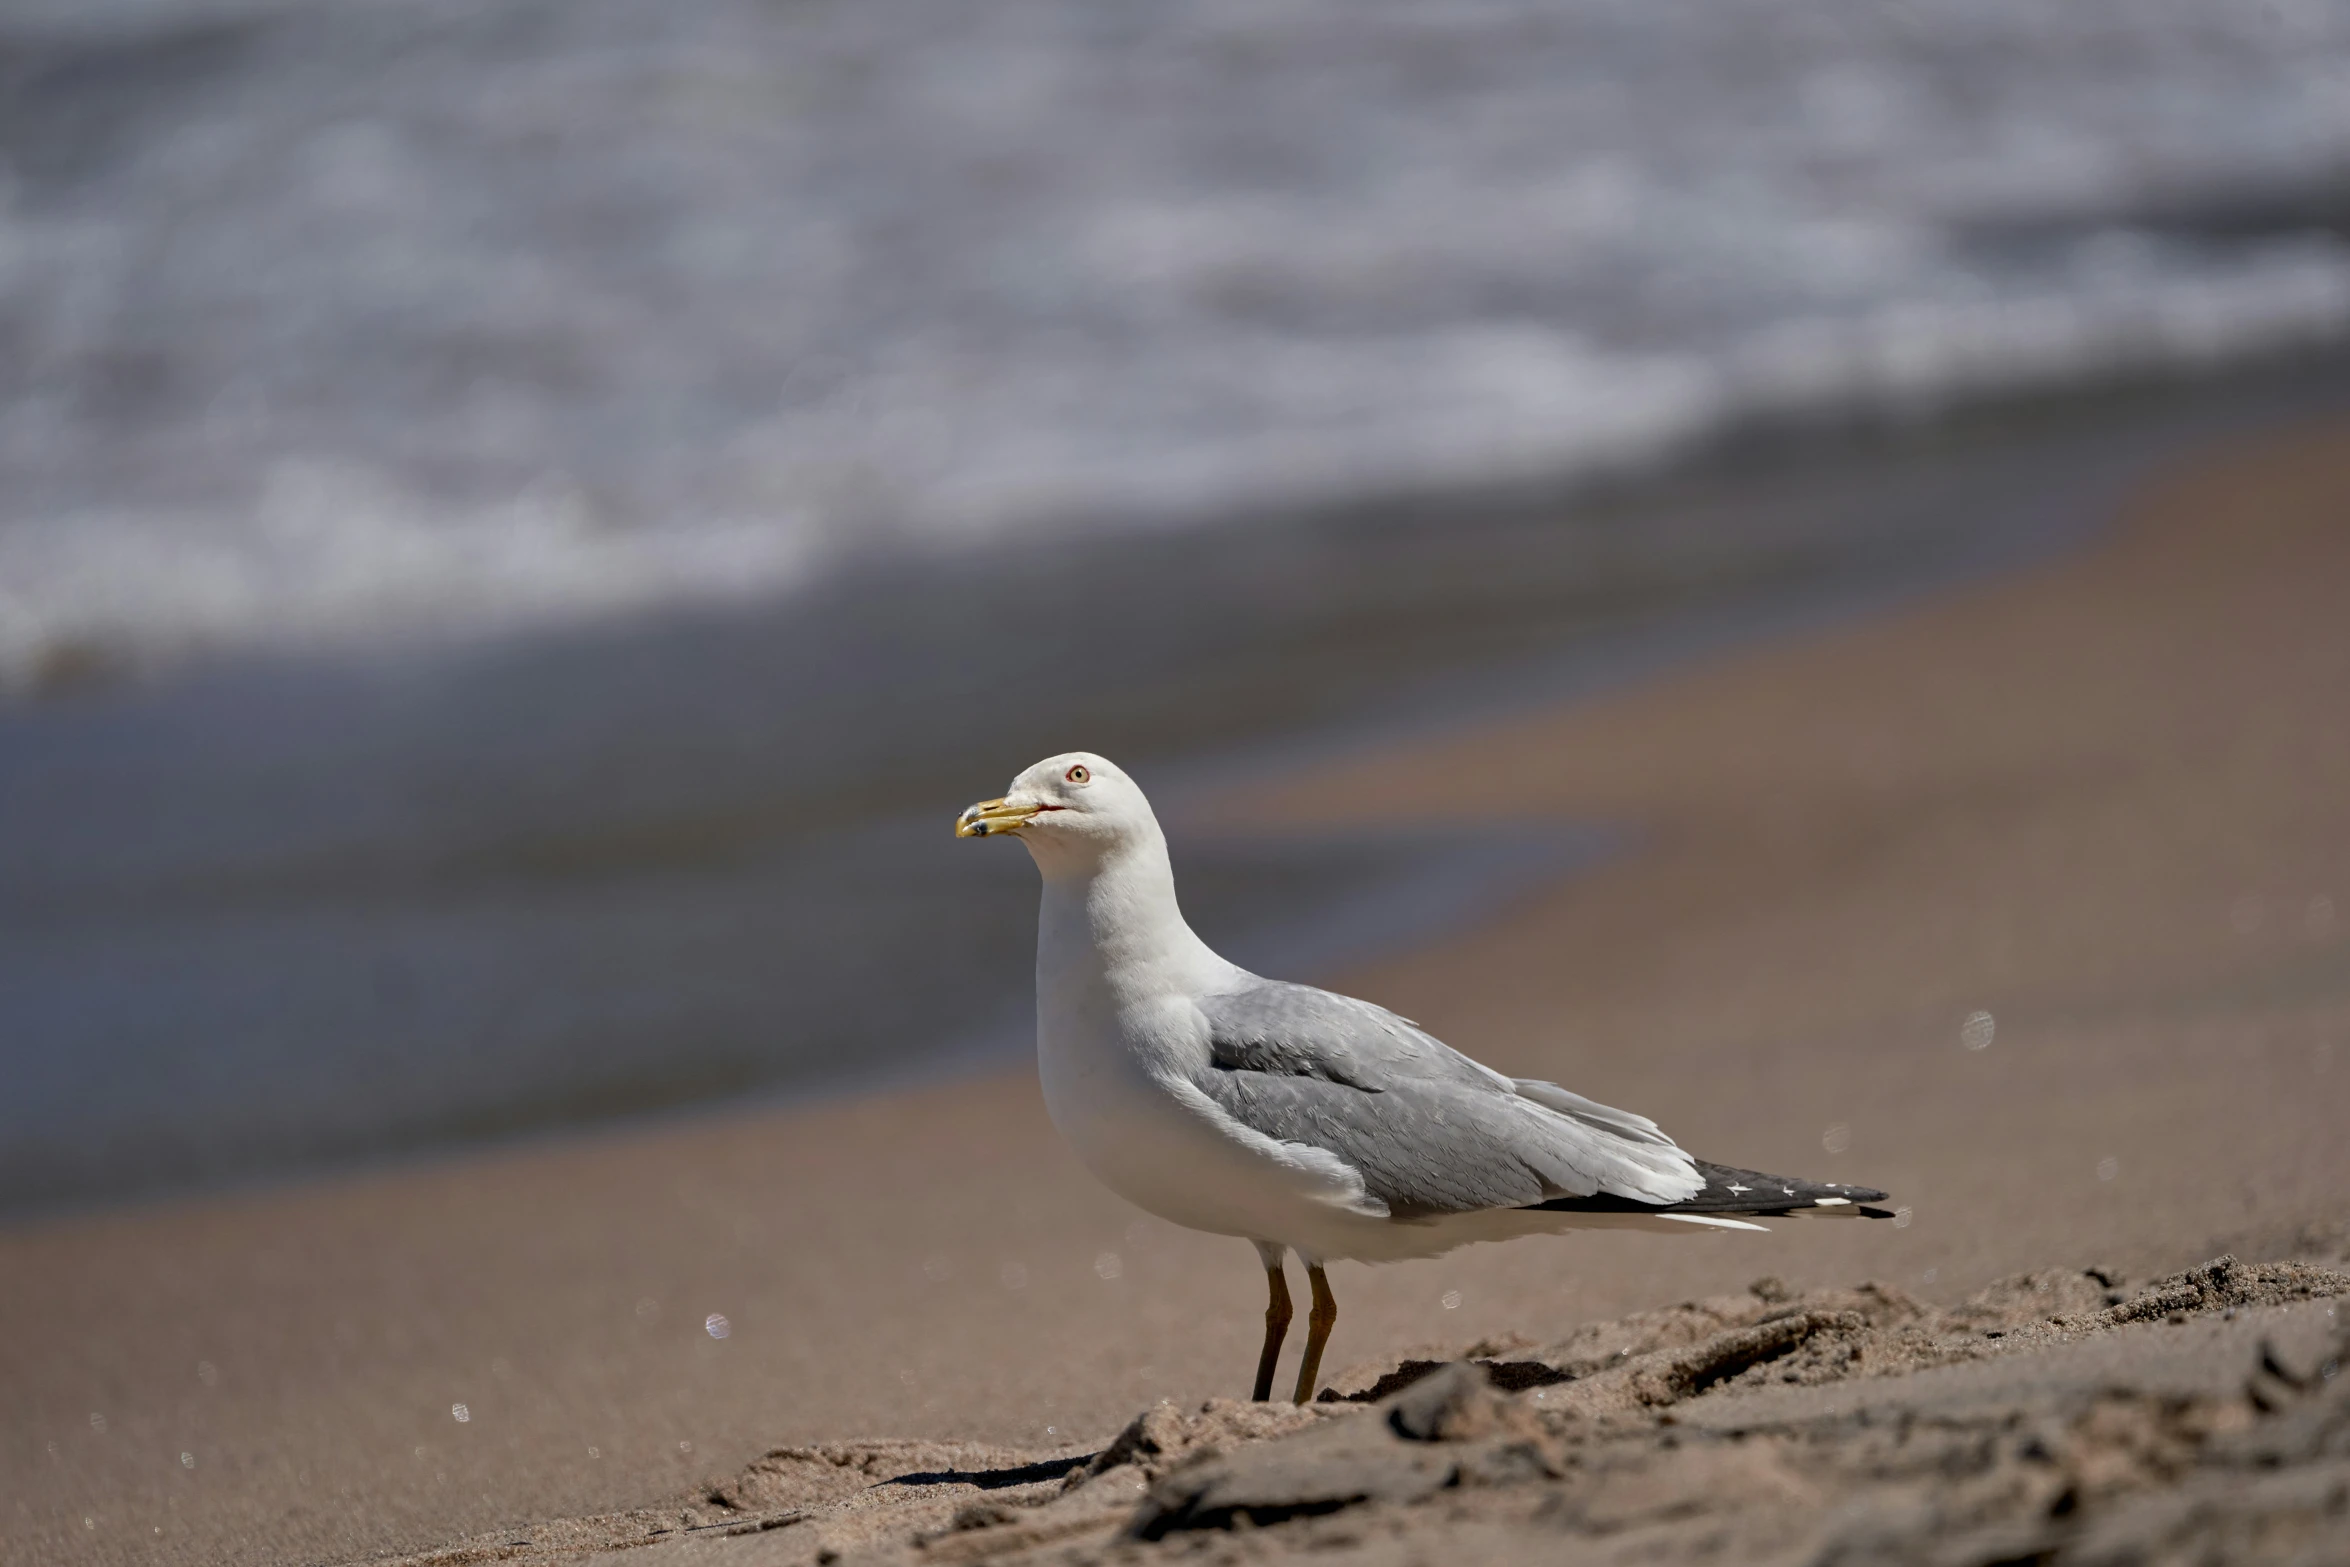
[[2102, 802]]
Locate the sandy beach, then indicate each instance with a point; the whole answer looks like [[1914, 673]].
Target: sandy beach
[[2059, 1415], [2030, 903]]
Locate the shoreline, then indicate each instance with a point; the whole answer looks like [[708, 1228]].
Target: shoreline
[[396, 873]]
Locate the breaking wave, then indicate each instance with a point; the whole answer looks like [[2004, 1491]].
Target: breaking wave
[[339, 322]]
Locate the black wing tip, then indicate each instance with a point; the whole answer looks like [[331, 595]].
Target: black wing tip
[[1785, 1191], [1730, 1191]]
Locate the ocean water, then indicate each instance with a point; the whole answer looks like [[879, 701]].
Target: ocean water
[[364, 323]]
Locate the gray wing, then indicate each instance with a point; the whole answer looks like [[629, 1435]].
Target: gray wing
[[1431, 1131], [1623, 1123]]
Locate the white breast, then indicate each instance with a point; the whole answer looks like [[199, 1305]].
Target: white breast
[[1117, 1043], [1154, 1139]]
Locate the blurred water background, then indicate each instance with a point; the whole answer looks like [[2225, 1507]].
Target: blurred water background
[[522, 520]]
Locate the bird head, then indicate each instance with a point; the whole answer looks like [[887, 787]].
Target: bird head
[[1074, 806]]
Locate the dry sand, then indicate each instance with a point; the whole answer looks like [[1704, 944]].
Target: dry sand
[[2047, 1418], [2104, 803]]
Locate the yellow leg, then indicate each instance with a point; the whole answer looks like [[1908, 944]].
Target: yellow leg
[[1276, 1321], [1319, 1322]]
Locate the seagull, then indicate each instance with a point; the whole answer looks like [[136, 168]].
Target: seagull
[[1299, 1119]]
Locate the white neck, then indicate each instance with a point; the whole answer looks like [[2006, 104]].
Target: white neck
[[1110, 930]]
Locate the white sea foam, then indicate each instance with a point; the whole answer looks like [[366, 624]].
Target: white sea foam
[[348, 319]]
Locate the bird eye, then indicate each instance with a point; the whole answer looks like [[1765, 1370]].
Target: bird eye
[[1078, 774]]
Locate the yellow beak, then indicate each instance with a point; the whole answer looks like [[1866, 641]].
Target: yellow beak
[[993, 816]]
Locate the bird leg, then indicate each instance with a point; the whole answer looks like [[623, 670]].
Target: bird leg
[[1319, 1322], [1276, 1319]]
